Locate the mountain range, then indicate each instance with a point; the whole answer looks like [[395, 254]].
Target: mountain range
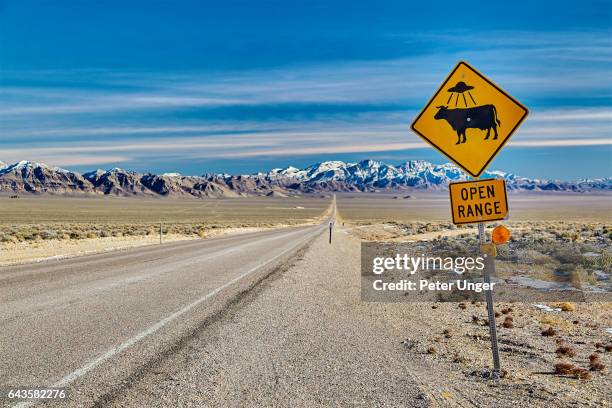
[[330, 176]]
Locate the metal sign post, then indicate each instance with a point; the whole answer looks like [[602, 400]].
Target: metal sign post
[[469, 120], [488, 270]]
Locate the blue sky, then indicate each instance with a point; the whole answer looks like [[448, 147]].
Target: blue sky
[[243, 86]]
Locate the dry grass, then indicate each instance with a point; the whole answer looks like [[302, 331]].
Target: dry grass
[[118, 210], [555, 321], [34, 228], [567, 306], [44, 218]]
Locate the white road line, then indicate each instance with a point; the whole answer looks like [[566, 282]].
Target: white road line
[[125, 345], [59, 297]]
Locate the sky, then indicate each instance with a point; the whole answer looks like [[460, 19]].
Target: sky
[[245, 86]]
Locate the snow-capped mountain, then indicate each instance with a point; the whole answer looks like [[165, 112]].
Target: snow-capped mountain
[[366, 175], [32, 177]]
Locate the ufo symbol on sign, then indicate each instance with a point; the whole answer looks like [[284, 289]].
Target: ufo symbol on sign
[[459, 89]]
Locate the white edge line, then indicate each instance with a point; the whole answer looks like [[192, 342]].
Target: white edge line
[[79, 372]]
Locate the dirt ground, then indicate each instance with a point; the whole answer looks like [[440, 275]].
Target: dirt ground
[[448, 343]]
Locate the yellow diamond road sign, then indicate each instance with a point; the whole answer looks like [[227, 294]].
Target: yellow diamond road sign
[[469, 119]]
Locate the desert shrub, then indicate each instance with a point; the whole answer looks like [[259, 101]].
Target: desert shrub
[[531, 256], [48, 234], [565, 350], [603, 262], [564, 368], [581, 373], [567, 306], [567, 256]]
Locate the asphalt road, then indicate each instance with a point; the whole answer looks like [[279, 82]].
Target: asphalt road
[[89, 323], [302, 338]]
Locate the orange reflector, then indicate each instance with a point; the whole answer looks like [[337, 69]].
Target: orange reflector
[[500, 235]]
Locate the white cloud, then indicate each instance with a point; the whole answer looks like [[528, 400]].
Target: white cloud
[[530, 64], [566, 67]]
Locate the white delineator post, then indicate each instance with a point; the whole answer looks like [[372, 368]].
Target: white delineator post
[[160, 232]]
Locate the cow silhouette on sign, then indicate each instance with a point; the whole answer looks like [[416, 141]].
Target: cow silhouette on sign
[[478, 117]]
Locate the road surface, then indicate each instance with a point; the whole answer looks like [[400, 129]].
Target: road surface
[[87, 323]]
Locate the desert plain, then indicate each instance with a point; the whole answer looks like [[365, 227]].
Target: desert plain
[[305, 336]]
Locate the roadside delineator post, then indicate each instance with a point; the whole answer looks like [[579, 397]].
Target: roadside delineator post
[[471, 132], [160, 232], [330, 231]]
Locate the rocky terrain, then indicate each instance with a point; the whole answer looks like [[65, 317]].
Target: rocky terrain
[[368, 176]]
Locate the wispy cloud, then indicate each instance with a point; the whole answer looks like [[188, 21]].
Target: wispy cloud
[[128, 117], [320, 138], [535, 65]]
